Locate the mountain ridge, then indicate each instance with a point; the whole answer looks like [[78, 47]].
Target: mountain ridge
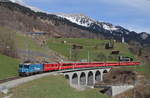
[[81, 25]]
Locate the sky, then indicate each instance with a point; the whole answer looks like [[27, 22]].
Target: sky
[[131, 14]]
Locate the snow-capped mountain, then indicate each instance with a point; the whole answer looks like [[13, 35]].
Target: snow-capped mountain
[[107, 29], [83, 20], [79, 19]]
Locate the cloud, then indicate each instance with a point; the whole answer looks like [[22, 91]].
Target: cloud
[[142, 5]]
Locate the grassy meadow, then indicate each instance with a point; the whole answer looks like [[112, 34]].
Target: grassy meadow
[[53, 87], [92, 47], [8, 67]]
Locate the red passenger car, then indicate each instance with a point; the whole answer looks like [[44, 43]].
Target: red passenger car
[[77, 65]]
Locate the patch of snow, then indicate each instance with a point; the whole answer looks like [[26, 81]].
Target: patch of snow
[[144, 36], [127, 33], [110, 28], [34, 9], [17, 1]]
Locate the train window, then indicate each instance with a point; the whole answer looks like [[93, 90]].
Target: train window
[[67, 64], [82, 63], [26, 66]]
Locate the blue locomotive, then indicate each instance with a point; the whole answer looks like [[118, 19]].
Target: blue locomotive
[[27, 69]]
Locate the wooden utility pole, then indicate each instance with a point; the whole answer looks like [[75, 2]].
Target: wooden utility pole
[[88, 56], [70, 53]]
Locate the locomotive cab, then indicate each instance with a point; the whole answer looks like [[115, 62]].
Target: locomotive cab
[[23, 69]]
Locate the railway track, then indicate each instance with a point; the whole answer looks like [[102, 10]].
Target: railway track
[[9, 79]]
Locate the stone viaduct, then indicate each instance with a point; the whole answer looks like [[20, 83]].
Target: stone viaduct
[[86, 77]]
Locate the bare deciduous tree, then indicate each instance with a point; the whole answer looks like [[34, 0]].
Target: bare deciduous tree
[[7, 44]]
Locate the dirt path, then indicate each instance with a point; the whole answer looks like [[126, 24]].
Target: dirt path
[[17, 82]]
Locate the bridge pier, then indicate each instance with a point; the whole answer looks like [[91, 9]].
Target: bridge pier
[[78, 79], [94, 77], [86, 77], [101, 76]]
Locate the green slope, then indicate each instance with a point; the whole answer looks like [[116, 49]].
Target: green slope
[[89, 45], [25, 42], [8, 67], [93, 46], [53, 87]]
